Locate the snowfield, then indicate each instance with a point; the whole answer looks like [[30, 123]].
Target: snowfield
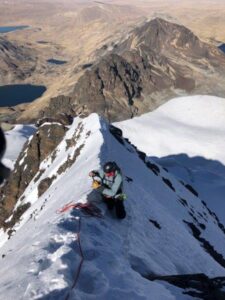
[[47, 249], [193, 125], [15, 140], [186, 136]]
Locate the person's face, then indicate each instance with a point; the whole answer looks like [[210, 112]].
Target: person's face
[[110, 174]]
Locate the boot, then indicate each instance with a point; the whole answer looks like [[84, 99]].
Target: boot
[[120, 209]]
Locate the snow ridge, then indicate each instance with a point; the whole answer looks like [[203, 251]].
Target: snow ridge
[[156, 237]]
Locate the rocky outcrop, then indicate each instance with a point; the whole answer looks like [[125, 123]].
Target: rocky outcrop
[[43, 142], [45, 184], [60, 118], [61, 104], [153, 63], [198, 286]]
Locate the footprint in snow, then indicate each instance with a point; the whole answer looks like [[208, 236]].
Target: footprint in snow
[[54, 245], [91, 254], [69, 224], [39, 266], [44, 264]]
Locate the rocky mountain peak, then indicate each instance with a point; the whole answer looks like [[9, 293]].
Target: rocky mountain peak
[[154, 62], [163, 31], [162, 36]]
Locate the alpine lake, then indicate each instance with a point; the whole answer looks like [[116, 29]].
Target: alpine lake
[[222, 48], [6, 29], [14, 94]]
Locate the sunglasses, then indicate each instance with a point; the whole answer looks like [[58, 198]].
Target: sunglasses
[[110, 173]]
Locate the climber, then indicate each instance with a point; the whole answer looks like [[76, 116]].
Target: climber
[[4, 171], [109, 182]]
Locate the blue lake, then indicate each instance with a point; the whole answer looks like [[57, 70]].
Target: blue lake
[[56, 61], [11, 95], [6, 29], [222, 47]]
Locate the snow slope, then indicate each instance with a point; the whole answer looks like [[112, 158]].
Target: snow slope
[[15, 139], [42, 257], [186, 135], [193, 125]]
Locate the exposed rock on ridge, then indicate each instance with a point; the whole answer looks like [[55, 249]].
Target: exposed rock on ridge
[[43, 142]]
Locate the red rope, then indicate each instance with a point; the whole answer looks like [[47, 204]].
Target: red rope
[[81, 255], [81, 261], [92, 211], [70, 205], [87, 208]]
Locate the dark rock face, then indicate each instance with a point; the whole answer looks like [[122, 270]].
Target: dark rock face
[[43, 142], [205, 244], [61, 104], [61, 118], [155, 223], [191, 189], [162, 36], [71, 159], [16, 217], [199, 286], [44, 185], [168, 183], [154, 61]]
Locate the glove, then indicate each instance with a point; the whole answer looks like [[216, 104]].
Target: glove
[[96, 184], [121, 197], [93, 173]]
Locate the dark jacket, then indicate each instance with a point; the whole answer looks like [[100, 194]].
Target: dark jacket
[[4, 171], [2, 144]]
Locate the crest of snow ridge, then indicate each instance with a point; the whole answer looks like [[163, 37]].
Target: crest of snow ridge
[[33, 169], [157, 203]]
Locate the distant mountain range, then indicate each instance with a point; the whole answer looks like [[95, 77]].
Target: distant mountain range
[[136, 74], [131, 74]]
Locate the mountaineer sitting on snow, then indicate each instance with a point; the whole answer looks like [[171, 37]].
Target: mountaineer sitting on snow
[[109, 182], [4, 171]]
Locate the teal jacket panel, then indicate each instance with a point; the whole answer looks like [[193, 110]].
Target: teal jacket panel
[[111, 184]]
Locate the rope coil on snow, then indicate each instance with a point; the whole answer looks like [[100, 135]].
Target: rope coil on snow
[[88, 208]]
